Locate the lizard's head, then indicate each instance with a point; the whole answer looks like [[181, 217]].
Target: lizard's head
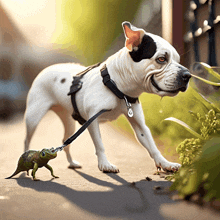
[[48, 154]]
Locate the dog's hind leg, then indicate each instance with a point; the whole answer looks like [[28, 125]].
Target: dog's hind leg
[[69, 128], [36, 108]]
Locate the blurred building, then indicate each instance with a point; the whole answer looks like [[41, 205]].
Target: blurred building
[[201, 39], [20, 62], [203, 31]]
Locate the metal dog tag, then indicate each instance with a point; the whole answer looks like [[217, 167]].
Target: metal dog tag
[[130, 111]]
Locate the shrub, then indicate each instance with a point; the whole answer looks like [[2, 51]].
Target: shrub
[[200, 156], [202, 176]]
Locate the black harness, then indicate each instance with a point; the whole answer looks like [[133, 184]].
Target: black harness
[[77, 85], [113, 87]]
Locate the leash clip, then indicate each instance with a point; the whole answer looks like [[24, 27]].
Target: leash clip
[[58, 148], [128, 104]]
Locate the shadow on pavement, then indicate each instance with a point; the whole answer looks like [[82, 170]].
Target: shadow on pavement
[[126, 200]]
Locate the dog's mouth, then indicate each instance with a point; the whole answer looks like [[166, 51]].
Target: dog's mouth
[[182, 89]]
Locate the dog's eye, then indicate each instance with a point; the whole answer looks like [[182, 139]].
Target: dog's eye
[[161, 60]]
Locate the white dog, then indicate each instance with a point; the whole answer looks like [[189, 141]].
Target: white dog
[[147, 63]]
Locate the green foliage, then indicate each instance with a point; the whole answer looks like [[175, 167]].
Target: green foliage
[[88, 27], [207, 169], [202, 175], [211, 72], [189, 149], [187, 127], [210, 124]]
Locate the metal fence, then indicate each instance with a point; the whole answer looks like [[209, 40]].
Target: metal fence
[[204, 19]]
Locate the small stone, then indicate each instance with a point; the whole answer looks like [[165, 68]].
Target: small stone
[[148, 178], [157, 187]]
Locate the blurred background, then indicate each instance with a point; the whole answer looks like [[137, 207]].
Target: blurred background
[[35, 34]]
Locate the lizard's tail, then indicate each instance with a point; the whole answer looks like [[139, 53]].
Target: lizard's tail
[[16, 172]]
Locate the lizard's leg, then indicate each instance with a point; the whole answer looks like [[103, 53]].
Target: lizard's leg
[[51, 170], [34, 171]]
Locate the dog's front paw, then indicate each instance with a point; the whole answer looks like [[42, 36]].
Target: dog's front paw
[[107, 167], [161, 162]]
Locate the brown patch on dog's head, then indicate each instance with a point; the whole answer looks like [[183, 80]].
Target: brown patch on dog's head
[[133, 38]]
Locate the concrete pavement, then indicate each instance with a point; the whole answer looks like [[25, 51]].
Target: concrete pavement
[[85, 193]]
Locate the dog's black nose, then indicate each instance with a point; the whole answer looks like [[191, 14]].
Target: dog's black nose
[[186, 76]]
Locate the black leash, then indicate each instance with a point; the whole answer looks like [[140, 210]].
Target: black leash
[[75, 135]]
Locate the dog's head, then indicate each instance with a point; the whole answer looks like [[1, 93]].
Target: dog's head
[[155, 62]]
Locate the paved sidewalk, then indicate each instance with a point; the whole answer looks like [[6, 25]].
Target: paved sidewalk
[[85, 193]]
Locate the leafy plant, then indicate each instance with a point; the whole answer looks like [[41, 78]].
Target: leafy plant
[[189, 149], [187, 127], [211, 72], [202, 176]]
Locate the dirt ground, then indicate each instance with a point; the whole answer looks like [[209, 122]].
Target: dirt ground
[[85, 193]]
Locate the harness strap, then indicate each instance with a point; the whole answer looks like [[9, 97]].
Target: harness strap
[[76, 115], [113, 87], [75, 87]]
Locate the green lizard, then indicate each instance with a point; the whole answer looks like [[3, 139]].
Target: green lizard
[[33, 159]]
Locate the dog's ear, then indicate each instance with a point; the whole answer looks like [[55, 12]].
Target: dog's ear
[[133, 36]]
